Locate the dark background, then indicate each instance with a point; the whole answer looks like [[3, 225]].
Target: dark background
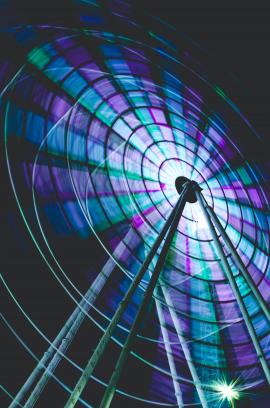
[[238, 37], [234, 33]]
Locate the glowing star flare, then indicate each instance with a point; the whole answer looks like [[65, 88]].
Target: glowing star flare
[[227, 392]]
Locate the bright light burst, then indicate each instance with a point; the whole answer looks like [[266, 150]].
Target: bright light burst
[[227, 392]]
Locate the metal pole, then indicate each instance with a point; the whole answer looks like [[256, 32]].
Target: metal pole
[[169, 353], [111, 388], [185, 348], [235, 290], [99, 350], [61, 342], [238, 261]]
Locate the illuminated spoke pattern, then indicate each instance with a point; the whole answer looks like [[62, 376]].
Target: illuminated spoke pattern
[[98, 124]]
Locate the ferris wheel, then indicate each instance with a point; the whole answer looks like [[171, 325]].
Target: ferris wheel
[[124, 141]]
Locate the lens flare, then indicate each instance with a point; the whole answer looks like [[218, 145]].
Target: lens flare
[[228, 392]]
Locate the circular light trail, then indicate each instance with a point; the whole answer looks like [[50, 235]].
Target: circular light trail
[[100, 129]]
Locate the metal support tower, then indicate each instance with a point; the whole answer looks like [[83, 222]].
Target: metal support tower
[[189, 191]]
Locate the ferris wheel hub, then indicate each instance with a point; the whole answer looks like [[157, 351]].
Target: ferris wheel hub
[[179, 184]]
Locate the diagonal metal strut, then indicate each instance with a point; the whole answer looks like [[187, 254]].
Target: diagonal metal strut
[[235, 289]]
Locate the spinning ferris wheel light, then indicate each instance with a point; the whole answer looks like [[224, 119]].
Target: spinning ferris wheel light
[[120, 139]]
